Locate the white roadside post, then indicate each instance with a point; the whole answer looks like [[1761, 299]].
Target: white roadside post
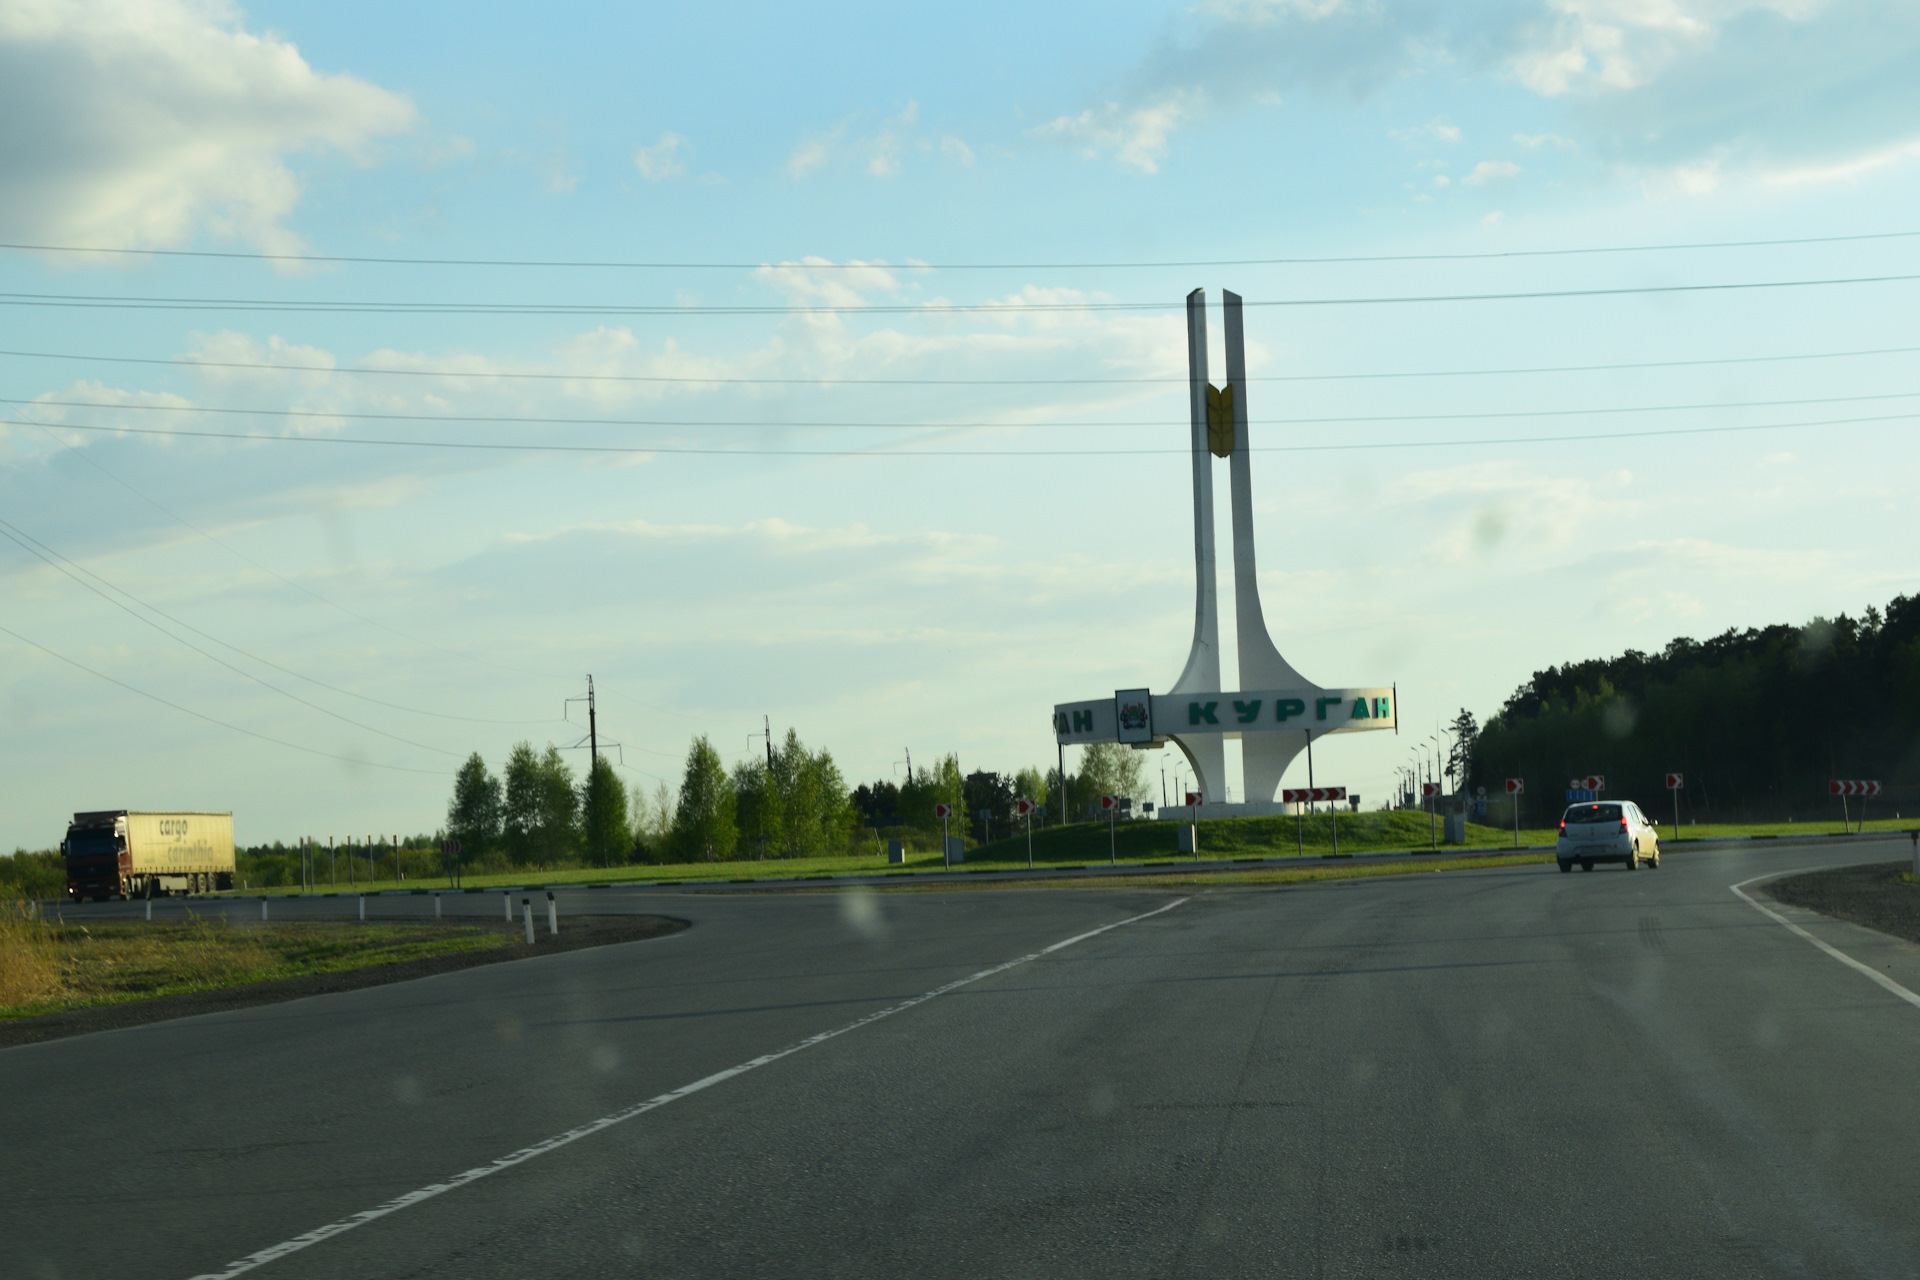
[[436, 906], [526, 911], [943, 812], [553, 914], [363, 906], [263, 909], [506, 901]]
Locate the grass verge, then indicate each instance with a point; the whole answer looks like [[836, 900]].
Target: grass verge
[[47, 966], [1086, 844]]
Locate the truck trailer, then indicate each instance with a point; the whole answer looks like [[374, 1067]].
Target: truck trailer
[[121, 853]]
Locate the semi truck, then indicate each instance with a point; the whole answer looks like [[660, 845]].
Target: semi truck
[[123, 853]]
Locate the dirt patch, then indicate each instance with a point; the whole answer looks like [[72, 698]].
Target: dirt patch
[[576, 932], [1874, 896]]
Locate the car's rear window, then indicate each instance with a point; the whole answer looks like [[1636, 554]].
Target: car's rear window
[[1593, 813]]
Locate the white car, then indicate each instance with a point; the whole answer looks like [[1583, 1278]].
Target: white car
[[1606, 831]]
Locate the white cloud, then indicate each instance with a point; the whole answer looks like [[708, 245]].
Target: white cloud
[[1534, 141], [1800, 88], [666, 158], [143, 122], [880, 154], [1491, 171], [1136, 136], [1433, 131]]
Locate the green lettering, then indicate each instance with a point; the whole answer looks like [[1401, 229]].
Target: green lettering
[[1321, 705], [1360, 710], [1202, 713], [1247, 711], [1382, 709], [1285, 707], [1083, 722]]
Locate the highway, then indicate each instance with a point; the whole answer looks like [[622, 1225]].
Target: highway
[[1509, 1072]]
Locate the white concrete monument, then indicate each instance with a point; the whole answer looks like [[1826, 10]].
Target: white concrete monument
[[1275, 713]]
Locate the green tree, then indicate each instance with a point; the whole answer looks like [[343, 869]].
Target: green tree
[[1109, 769], [941, 784], [473, 815], [753, 800], [811, 809], [607, 834], [520, 804], [557, 834], [652, 821], [703, 819], [540, 819], [1030, 784]]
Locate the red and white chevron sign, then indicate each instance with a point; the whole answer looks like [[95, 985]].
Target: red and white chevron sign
[[1308, 795], [1853, 788], [1516, 785], [1430, 789]]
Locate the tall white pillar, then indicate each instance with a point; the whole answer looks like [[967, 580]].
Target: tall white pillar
[[1207, 752]]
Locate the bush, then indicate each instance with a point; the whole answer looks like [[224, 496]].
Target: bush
[[41, 874]]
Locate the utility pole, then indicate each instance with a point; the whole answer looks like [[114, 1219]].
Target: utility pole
[[767, 721], [909, 766], [593, 735]]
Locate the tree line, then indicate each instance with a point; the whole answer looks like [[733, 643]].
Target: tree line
[[792, 803], [1756, 721]]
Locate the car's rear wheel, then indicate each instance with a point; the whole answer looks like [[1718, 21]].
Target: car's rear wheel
[[1586, 864], [1633, 858], [1565, 865]]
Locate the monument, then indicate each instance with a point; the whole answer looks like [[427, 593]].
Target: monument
[[1272, 710]]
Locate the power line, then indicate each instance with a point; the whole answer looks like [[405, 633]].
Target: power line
[[913, 265], [1181, 380], [903, 451], [326, 307], [532, 420], [175, 516], [198, 715], [33, 546]]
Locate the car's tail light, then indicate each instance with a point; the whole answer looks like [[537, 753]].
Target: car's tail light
[[1563, 826], [1623, 826]]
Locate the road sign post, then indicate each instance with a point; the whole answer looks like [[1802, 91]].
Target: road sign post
[[1855, 787], [943, 812], [1514, 788], [1025, 809], [1112, 805], [1429, 791], [1675, 783]]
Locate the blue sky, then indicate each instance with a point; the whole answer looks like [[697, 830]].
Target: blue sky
[[930, 560]]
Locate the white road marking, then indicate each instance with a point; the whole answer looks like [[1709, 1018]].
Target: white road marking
[[411, 1198], [1835, 952]]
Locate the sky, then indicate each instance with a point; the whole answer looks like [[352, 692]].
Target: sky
[[370, 376]]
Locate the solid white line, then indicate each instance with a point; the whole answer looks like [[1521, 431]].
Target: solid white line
[[411, 1198], [1835, 952]]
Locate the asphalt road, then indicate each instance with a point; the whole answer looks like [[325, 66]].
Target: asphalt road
[[1502, 1073]]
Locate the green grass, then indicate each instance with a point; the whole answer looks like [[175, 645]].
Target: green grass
[[50, 965], [1716, 830], [1086, 844]]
